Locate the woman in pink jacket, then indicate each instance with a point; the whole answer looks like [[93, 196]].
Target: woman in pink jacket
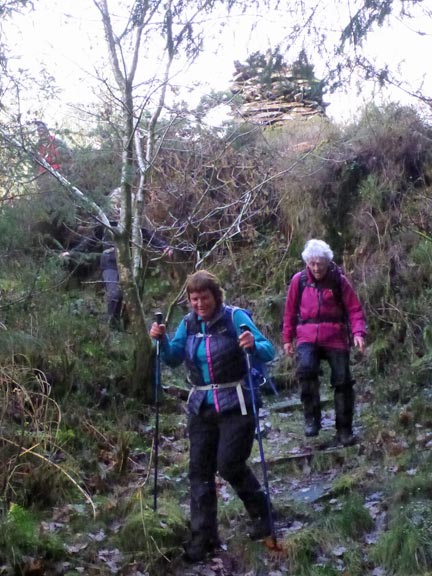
[[323, 315]]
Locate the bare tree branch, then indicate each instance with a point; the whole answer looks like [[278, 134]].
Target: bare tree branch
[[83, 199]]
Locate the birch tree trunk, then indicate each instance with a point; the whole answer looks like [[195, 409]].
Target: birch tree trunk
[[173, 19], [141, 356], [145, 23]]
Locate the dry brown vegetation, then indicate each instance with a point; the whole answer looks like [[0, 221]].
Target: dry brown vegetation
[[76, 447]]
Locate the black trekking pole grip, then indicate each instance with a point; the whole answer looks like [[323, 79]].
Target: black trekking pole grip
[[159, 320], [159, 317], [245, 328]]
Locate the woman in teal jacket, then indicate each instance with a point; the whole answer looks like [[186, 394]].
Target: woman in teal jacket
[[221, 423]]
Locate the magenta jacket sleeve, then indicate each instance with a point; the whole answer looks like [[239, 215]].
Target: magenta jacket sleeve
[[354, 309], [290, 318]]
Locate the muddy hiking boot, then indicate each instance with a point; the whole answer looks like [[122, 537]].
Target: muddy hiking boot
[[345, 437], [260, 528], [198, 548], [344, 409], [311, 407], [258, 508], [312, 427]]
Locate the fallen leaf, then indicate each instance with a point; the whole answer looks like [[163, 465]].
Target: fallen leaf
[[339, 551]]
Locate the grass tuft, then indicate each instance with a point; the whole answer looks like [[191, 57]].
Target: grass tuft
[[406, 548], [351, 521], [20, 536]]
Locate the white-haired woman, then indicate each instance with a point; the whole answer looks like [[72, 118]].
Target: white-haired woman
[[323, 315]]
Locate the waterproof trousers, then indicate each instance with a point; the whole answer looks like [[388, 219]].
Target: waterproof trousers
[[221, 442], [113, 294], [309, 357]]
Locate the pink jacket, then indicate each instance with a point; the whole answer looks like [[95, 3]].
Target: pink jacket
[[50, 152], [321, 318]]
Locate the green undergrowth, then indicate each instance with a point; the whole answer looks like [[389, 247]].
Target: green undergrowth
[[21, 535], [107, 452], [77, 445], [406, 547], [147, 532]]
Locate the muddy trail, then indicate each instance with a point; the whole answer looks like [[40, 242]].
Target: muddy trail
[[332, 504], [309, 479]]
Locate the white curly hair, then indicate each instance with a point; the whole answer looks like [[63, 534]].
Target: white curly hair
[[317, 249]]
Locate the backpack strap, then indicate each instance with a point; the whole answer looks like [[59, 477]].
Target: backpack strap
[[260, 374], [192, 329], [336, 287], [337, 274], [232, 310], [337, 291], [303, 282], [188, 322]]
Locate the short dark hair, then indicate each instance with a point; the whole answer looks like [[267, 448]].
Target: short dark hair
[[204, 280]]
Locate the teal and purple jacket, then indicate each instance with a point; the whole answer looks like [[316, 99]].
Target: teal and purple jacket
[[213, 356]]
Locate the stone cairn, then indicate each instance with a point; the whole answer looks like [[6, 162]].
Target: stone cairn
[[275, 98]]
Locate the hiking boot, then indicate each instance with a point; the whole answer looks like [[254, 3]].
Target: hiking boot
[[345, 437], [115, 324], [261, 528], [312, 427], [197, 549]]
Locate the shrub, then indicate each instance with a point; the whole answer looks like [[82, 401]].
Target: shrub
[[20, 536]]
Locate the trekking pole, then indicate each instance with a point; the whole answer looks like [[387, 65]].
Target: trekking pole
[[248, 351], [159, 319]]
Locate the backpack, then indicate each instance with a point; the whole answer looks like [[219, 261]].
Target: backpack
[[337, 274], [260, 372], [336, 288]]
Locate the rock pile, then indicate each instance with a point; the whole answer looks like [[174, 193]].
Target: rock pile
[[277, 97]]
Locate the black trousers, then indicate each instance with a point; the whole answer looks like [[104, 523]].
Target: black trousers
[[113, 293], [221, 443], [309, 357]]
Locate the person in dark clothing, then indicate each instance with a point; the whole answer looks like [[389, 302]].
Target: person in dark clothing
[[221, 423], [320, 315], [108, 265], [113, 291]]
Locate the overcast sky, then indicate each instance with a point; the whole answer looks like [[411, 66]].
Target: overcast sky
[[66, 37]]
